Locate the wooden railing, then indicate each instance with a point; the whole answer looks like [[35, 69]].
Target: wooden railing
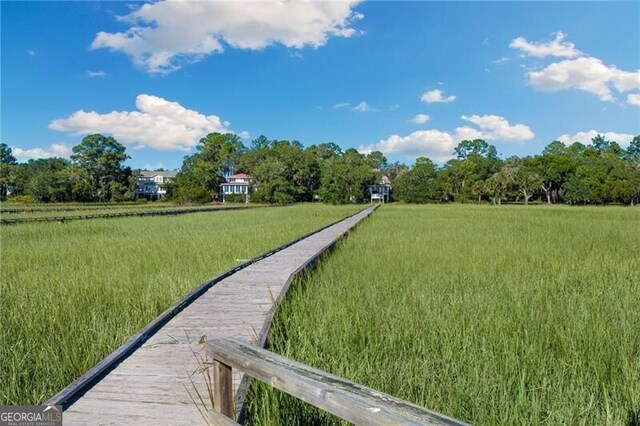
[[340, 397]]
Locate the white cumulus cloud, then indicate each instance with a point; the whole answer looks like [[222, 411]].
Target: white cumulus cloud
[[54, 150], [496, 127], [585, 137], [434, 144], [588, 74], [420, 119], [555, 47], [578, 71], [633, 99], [438, 145], [468, 133], [436, 96], [167, 34], [157, 123]]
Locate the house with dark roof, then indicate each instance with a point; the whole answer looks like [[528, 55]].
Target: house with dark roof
[[152, 184], [237, 186]]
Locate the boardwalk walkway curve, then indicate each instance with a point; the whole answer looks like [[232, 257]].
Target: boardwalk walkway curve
[[151, 380]]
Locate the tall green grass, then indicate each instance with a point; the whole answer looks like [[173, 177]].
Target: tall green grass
[[493, 315], [71, 293], [127, 208]]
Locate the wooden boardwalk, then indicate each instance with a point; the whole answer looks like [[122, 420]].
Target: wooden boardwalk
[[155, 384]]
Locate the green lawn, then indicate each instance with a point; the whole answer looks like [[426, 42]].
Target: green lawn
[[71, 293], [493, 315]]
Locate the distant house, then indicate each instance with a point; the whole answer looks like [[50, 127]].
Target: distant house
[[236, 185], [151, 185], [381, 192]]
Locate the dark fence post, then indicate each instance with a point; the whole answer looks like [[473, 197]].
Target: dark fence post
[[223, 389]]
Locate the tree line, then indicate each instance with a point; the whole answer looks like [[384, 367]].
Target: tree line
[[96, 172], [288, 172], [599, 173]]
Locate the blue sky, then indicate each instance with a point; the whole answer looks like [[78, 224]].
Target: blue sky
[[406, 78]]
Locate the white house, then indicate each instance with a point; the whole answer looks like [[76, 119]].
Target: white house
[[237, 184], [151, 185], [382, 191]]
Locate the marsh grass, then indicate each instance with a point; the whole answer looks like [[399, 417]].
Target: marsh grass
[[62, 212], [202, 397], [71, 293], [493, 315]]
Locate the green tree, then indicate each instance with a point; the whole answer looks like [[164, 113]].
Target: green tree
[[132, 182], [394, 170], [466, 175], [45, 179], [479, 147], [633, 150], [576, 150], [523, 176], [601, 144], [324, 151], [286, 173], [634, 183], [555, 148], [378, 160], [554, 167], [7, 170], [586, 185], [632, 155], [321, 155], [347, 178], [81, 188], [49, 180], [497, 186], [256, 154], [419, 184], [99, 160], [603, 178], [6, 155], [459, 176], [202, 172]]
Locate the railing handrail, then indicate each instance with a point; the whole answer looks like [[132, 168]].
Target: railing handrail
[[336, 395]]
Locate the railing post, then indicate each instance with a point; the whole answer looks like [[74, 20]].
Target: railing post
[[223, 389]]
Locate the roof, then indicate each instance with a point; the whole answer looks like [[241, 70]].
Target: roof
[[150, 174], [385, 180], [239, 176]]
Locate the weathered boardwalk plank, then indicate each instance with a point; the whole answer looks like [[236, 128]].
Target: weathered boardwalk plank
[[156, 384]]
